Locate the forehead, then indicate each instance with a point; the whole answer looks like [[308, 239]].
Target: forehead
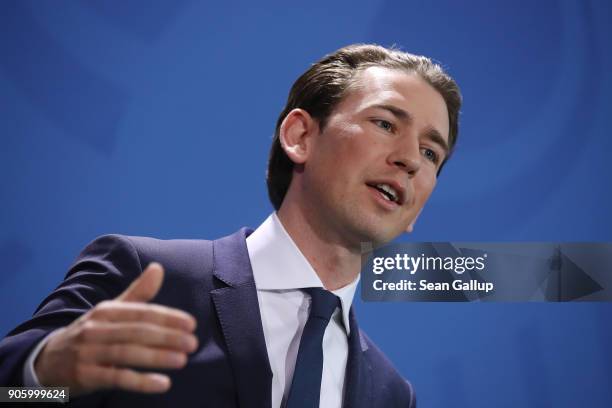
[[404, 90]]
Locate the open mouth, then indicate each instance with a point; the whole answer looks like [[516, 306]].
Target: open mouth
[[387, 192]]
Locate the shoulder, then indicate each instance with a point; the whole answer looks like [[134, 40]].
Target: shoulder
[[389, 383], [114, 260], [142, 246], [144, 250], [186, 261]]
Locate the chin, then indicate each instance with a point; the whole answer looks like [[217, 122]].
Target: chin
[[367, 226], [384, 239], [375, 235]]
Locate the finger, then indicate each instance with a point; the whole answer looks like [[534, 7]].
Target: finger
[[144, 334], [146, 286], [95, 377], [144, 312], [129, 355]]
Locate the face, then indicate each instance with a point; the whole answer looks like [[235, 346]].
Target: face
[[369, 172]]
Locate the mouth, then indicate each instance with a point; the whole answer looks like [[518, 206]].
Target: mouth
[[390, 192]]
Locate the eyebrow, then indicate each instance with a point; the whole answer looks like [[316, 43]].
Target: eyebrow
[[397, 112], [432, 134]]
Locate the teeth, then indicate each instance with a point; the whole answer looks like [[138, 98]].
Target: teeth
[[389, 190]]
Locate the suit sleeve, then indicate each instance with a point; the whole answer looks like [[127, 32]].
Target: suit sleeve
[[102, 271]]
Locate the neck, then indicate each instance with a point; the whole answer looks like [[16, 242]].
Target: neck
[[335, 263]]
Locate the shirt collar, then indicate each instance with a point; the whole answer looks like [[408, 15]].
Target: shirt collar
[[278, 264]]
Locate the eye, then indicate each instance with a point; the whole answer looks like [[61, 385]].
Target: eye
[[430, 155], [384, 125]]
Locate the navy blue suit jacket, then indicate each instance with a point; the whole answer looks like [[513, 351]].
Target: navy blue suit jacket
[[213, 281]]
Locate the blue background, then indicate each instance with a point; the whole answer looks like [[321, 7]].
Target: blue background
[[155, 118]]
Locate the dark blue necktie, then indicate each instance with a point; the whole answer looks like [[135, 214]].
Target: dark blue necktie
[[306, 385]]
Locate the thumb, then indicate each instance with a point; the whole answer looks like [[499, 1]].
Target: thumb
[[146, 286]]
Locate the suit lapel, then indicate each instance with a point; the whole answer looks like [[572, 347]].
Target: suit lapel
[[358, 388], [238, 311]]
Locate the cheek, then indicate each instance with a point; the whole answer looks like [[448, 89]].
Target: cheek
[[424, 187]]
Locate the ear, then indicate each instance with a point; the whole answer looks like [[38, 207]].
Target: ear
[[410, 226], [296, 133]]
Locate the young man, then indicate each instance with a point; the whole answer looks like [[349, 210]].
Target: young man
[[262, 318]]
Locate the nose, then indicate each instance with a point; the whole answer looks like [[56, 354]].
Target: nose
[[407, 156]]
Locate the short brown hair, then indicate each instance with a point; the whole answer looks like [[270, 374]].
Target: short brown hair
[[324, 84]]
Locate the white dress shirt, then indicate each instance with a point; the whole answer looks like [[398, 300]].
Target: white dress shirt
[[280, 271]]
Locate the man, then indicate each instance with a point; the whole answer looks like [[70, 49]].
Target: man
[[239, 321]]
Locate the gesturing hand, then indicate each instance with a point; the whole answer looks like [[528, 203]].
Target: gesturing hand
[[95, 351]]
